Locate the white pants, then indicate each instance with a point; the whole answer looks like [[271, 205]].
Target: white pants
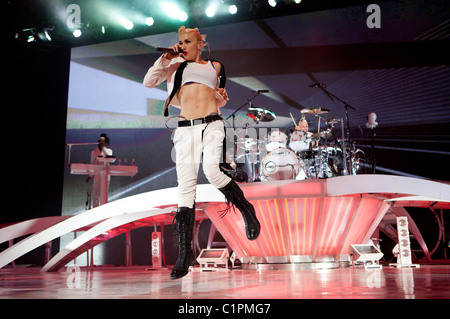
[[190, 143]]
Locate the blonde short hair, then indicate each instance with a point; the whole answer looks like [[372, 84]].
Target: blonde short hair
[[200, 37]]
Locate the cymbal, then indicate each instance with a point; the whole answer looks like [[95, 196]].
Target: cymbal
[[314, 110], [323, 134], [333, 121], [260, 114]]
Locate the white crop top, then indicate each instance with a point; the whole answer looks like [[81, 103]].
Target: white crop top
[[165, 69], [200, 73]]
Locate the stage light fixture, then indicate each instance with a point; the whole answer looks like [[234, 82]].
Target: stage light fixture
[[127, 24], [211, 11], [34, 35], [232, 9], [172, 10], [149, 21], [297, 1], [77, 33], [44, 35], [211, 259], [272, 3], [27, 35], [367, 254], [403, 249], [403, 239], [156, 250]]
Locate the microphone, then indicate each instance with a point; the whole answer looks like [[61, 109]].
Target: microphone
[[316, 85], [263, 91], [168, 50]]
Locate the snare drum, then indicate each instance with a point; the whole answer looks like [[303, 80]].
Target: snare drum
[[275, 140], [299, 141], [282, 164]]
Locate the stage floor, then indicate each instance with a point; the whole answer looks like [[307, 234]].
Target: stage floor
[[428, 281]]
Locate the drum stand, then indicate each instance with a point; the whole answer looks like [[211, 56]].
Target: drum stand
[[323, 165], [346, 105], [255, 176], [252, 169], [347, 168], [240, 107], [252, 166]]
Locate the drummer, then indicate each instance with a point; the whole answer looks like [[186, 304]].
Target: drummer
[[302, 125], [300, 138]]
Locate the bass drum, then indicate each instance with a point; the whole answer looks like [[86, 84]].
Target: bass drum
[[282, 164]]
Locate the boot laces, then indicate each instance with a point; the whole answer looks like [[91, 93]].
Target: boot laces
[[228, 208]]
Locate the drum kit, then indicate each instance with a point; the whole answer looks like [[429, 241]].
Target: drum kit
[[297, 155]]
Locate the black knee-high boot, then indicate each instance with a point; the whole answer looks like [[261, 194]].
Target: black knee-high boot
[[185, 218], [234, 195]]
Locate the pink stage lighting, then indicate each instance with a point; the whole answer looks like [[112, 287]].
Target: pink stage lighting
[[300, 223]]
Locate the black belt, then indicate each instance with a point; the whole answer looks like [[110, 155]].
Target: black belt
[[206, 119]]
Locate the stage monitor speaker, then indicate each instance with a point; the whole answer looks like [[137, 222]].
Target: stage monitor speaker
[[156, 250]]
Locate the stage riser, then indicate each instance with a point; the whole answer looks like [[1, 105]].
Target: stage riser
[[303, 229]]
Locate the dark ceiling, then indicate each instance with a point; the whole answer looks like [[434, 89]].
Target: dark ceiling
[[53, 14], [400, 70]]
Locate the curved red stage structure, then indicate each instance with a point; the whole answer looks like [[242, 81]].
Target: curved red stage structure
[[307, 221], [301, 222]]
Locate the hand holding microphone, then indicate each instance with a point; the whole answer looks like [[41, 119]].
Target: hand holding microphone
[[171, 52]]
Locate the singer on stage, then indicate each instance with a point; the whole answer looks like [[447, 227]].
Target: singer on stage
[[197, 87]]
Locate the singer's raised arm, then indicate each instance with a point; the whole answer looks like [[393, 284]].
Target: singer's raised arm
[[162, 70]]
